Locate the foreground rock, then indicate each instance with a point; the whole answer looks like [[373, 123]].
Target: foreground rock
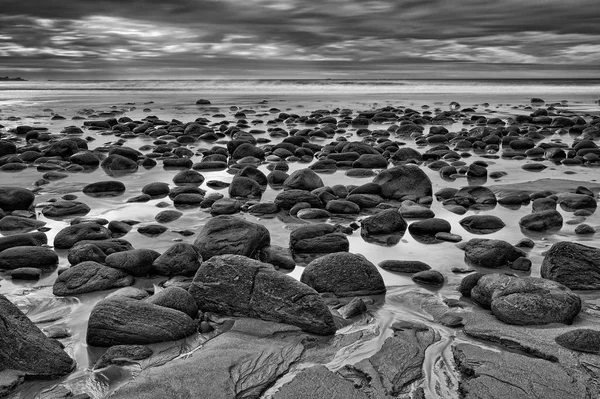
[[575, 265], [89, 277], [15, 198], [385, 227], [314, 240], [343, 274], [181, 259], [231, 235], [490, 253], [71, 235], [404, 182], [26, 256], [26, 349], [239, 286], [126, 321], [526, 301]]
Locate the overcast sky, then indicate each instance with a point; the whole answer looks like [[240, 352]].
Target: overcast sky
[[104, 39]]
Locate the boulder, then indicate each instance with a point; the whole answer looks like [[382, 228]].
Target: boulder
[[118, 163], [89, 277], [412, 210], [175, 298], [180, 259], [15, 198], [303, 179], [136, 262], [343, 274], [317, 239], [404, 182], [27, 256], [574, 265], [168, 216], [490, 253], [573, 201], [231, 235], [404, 266], [542, 221], [23, 240], [244, 187], [26, 349], [122, 354], [126, 321], [239, 286], [109, 188], [384, 227], [64, 208], [527, 300], [581, 340], [288, 198], [342, 207], [429, 277], [482, 224], [71, 235], [16, 224]]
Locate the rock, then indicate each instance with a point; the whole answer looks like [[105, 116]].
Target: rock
[[130, 292], [136, 262], [27, 256], [63, 208], [581, 340], [156, 189], [489, 253], [15, 224], [377, 228], [244, 187], [574, 265], [110, 188], [239, 286], [412, 210], [523, 264], [353, 308], [343, 274], [313, 213], [152, 230], [126, 321], [468, 283], [443, 236], [168, 216], [188, 177], [398, 363], [342, 207], [429, 277], [505, 374], [15, 198], [370, 161], [482, 224], [22, 240], [225, 206], [303, 179], [87, 252], [107, 246], [25, 348], [89, 277], [122, 354], [404, 182], [404, 266], [26, 273], [71, 235], [175, 298], [476, 195], [365, 200], [317, 240], [288, 198], [542, 221], [428, 228], [180, 259], [527, 300], [318, 382], [230, 235], [277, 256], [572, 201], [118, 163]]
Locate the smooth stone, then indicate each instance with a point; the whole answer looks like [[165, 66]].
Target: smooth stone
[[109, 188], [15, 224], [482, 224], [353, 308], [429, 277], [542, 221], [71, 235], [317, 239], [404, 266], [581, 340], [489, 253], [403, 181], [26, 273], [15, 198], [64, 208], [180, 259], [136, 262], [168, 216], [27, 256], [277, 256], [89, 277], [175, 298]]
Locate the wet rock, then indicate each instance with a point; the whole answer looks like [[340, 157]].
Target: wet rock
[[582, 229], [353, 308], [239, 286], [443, 236], [385, 222], [71, 235], [510, 375], [318, 382], [288, 198], [404, 182], [22, 240], [468, 283], [15, 198], [26, 273], [317, 240], [168, 216], [542, 221], [482, 224], [180, 259], [527, 300], [15, 224], [175, 298], [136, 262], [188, 177], [152, 230], [370, 161], [303, 179], [475, 195], [313, 213], [489, 253], [64, 208], [86, 252], [129, 292], [429, 228], [244, 187], [429, 277], [26, 349], [577, 266], [126, 321], [522, 264], [412, 210], [122, 354], [156, 189], [342, 207], [365, 200], [110, 188], [343, 274], [404, 266], [118, 163], [230, 235], [89, 277], [398, 363], [27, 256], [572, 201], [277, 256], [581, 340], [225, 206]]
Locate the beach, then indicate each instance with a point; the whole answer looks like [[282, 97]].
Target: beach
[[451, 126]]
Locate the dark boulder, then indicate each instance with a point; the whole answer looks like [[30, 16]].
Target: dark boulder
[[303, 179], [15, 198], [574, 265], [126, 321], [180, 259], [429, 277], [89, 277], [288, 198], [404, 266], [239, 286], [404, 182], [64, 208], [175, 298], [71, 235], [23, 240], [490, 253], [482, 224], [16, 224], [343, 274], [109, 188], [317, 239], [122, 354], [136, 262], [581, 340], [542, 221], [27, 256]]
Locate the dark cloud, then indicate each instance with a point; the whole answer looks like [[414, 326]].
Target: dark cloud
[[234, 36]]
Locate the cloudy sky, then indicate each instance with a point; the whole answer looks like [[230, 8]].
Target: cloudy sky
[[134, 39]]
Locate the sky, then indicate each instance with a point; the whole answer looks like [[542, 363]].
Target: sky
[[299, 39]]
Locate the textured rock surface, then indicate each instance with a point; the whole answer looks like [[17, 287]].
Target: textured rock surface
[[71, 235], [136, 262], [126, 321], [17, 257], [404, 182], [15, 198], [575, 265], [489, 253], [181, 259], [89, 277], [343, 274], [120, 354], [239, 286], [318, 239], [319, 383]]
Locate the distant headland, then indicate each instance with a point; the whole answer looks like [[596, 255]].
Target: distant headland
[[18, 79]]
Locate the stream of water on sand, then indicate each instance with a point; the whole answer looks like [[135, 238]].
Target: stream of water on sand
[[34, 103]]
